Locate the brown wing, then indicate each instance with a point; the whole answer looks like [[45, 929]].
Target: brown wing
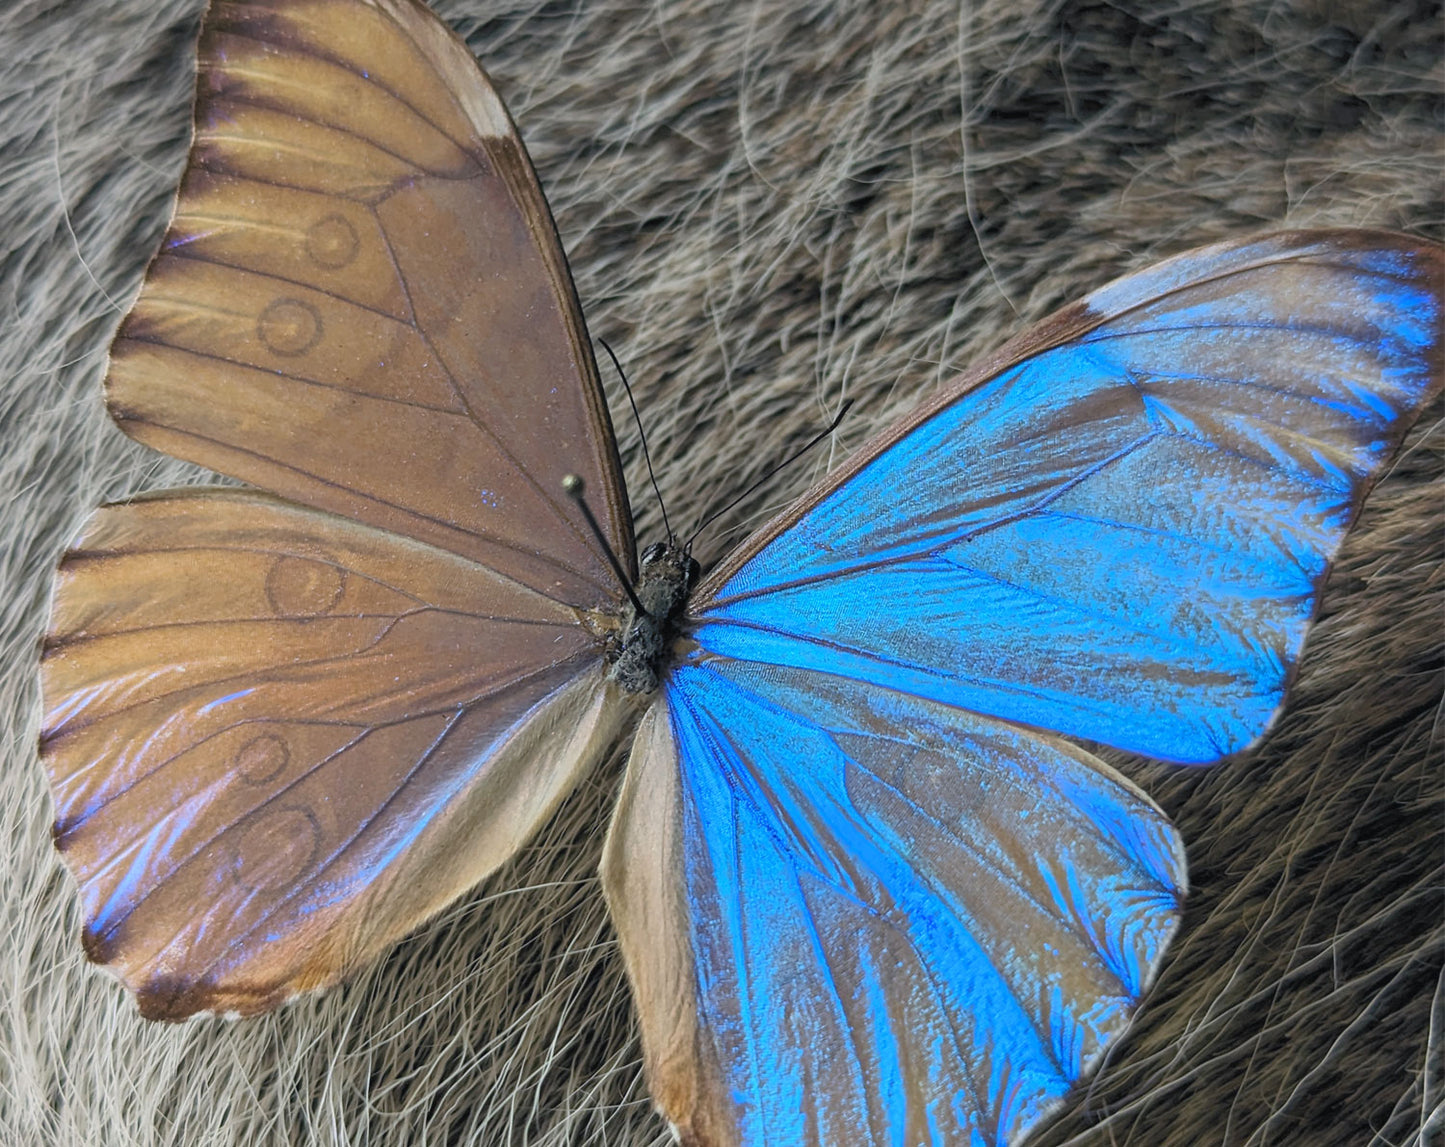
[[362, 303], [278, 740]]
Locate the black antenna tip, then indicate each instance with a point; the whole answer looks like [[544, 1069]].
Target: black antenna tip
[[572, 485]]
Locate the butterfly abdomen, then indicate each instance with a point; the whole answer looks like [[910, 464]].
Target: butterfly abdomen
[[668, 572]]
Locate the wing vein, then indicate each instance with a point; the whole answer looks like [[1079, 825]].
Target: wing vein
[[314, 51], [347, 491], [294, 147], [549, 498]]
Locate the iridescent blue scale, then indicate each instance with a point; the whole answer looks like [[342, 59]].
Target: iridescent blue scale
[[914, 913], [1121, 537]]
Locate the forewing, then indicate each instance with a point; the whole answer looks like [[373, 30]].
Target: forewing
[[855, 917], [1118, 527], [277, 740], [362, 304]]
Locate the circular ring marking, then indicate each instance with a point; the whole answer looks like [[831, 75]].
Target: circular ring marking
[[289, 327], [300, 587], [262, 759], [276, 848], [332, 242]]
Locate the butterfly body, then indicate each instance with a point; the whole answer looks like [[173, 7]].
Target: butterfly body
[[866, 889], [668, 572]]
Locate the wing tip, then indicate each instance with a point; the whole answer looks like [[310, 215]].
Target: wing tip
[[128, 418], [99, 945], [50, 643], [693, 1125], [1296, 241], [62, 829], [176, 998]]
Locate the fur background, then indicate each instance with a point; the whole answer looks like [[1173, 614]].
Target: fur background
[[770, 206]]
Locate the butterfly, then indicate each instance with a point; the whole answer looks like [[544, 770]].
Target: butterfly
[[865, 889]]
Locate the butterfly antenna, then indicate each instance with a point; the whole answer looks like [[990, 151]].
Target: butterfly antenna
[[642, 434], [574, 487], [786, 462]]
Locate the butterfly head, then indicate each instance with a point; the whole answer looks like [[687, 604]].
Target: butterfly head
[[668, 572]]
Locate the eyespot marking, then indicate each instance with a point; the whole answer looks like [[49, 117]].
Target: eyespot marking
[[276, 848], [300, 587], [262, 759], [289, 327], [332, 242]]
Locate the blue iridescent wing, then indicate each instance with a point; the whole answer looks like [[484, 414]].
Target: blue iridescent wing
[[857, 896], [1121, 533], [854, 916]]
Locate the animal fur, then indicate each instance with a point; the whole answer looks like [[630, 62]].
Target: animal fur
[[772, 206]]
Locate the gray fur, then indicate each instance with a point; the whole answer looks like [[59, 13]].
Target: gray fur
[[771, 206]]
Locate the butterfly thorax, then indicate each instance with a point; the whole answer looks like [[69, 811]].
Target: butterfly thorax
[[667, 574]]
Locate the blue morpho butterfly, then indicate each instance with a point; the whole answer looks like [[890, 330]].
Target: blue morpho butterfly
[[865, 891]]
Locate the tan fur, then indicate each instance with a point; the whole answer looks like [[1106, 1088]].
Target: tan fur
[[770, 207]]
